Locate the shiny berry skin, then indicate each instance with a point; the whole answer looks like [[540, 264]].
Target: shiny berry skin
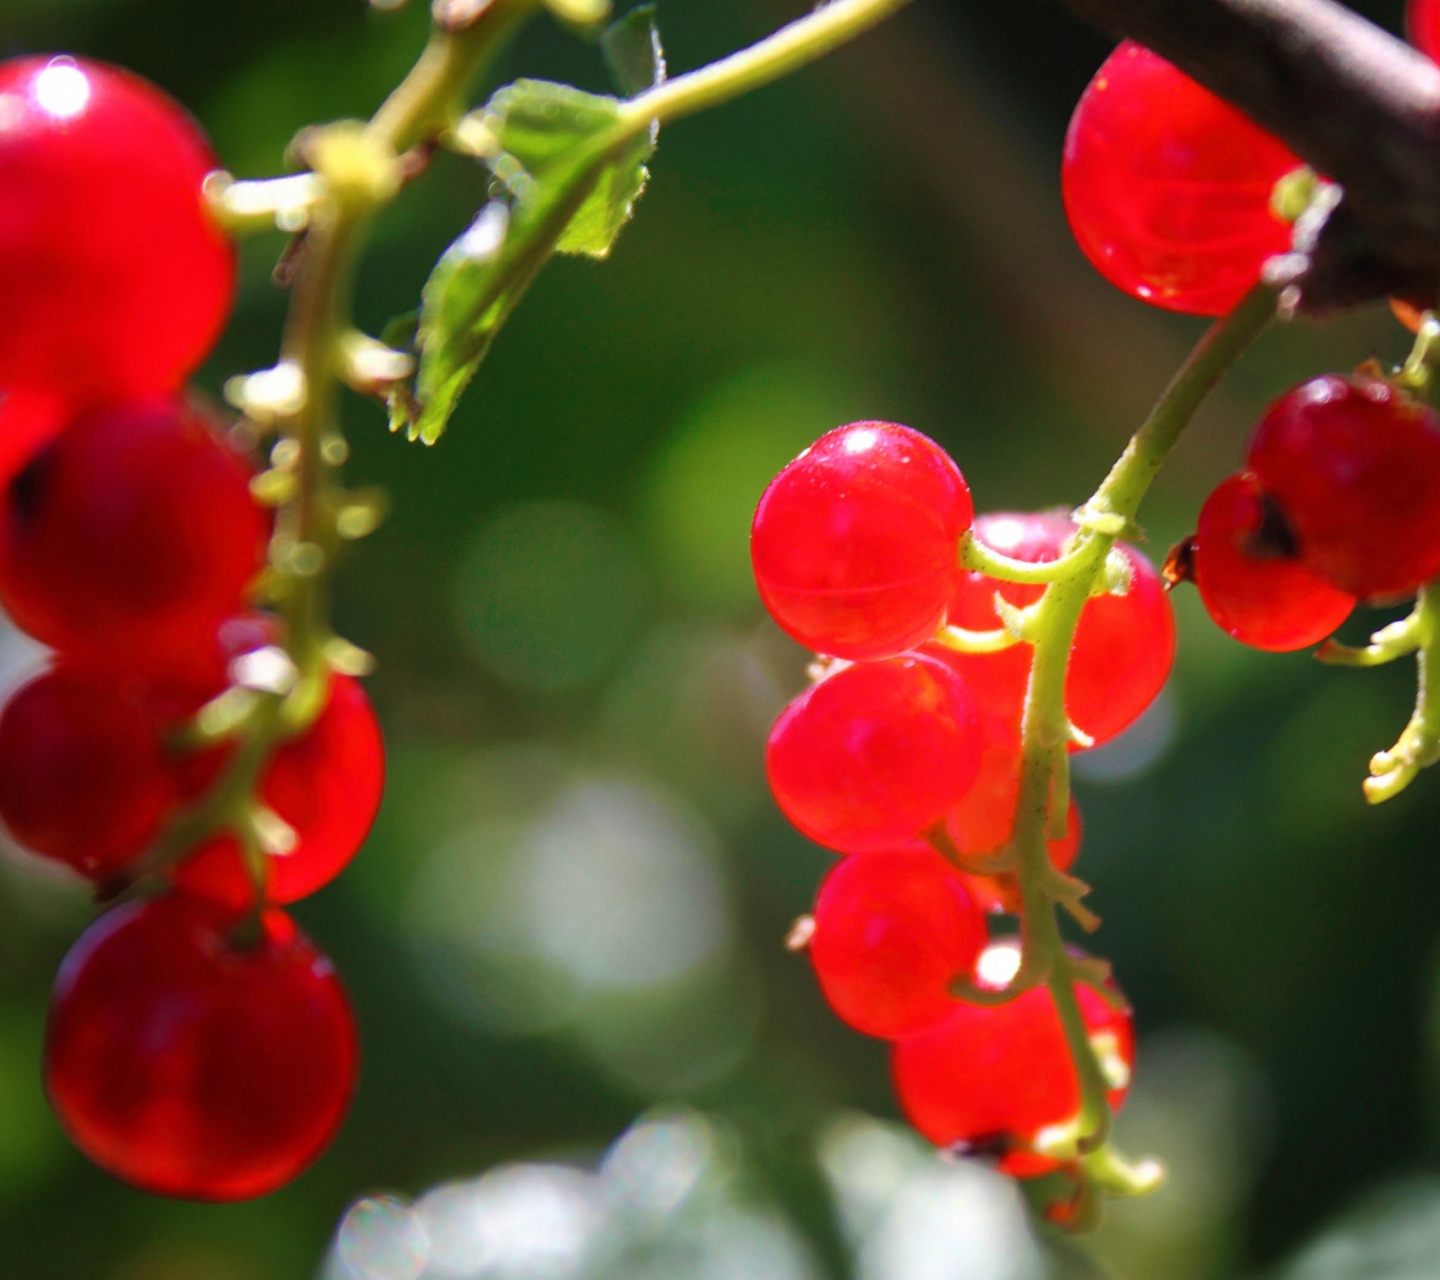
[[1124, 645], [984, 821], [131, 536], [83, 776], [875, 753], [892, 930], [326, 785], [116, 279], [1355, 466], [1422, 25], [190, 1064], [1167, 187], [1254, 586], [28, 422], [854, 543], [992, 1076]]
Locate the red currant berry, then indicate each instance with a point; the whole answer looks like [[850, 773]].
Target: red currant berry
[[984, 821], [875, 753], [131, 536], [191, 1064], [325, 785], [115, 278], [891, 931], [1355, 466], [1168, 188], [1124, 646], [1251, 579], [28, 422], [1422, 25], [991, 1077], [854, 543], [83, 778]]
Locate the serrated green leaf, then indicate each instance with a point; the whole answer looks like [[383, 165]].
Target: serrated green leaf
[[571, 171], [633, 52]]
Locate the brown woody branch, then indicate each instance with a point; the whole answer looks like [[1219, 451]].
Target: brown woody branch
[[1354, 102]]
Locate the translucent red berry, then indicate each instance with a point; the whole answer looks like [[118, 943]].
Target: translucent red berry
[[1354, 465], [875, 753], [984, 820], [115, 278], [191, 1062], [1168, 188], [1124, 645], [131, 536], [1422, 25], [325, 785], [854, 543], [1244, 560], [83, 776], [996, 1077], [892, 930]]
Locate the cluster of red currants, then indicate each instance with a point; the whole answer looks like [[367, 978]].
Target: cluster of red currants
[[198, 1044], [906, 748], [1174, 195]]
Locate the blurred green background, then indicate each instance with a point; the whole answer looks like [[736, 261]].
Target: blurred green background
[[587, 1053]]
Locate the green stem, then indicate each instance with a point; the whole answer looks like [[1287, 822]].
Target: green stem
[[790, 48], [1419, 745], [1046, 730]]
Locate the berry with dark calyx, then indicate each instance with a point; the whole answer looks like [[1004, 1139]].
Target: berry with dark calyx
[[1354, 463], [875, 753], [192, 1061], [984, 820], [116, 279], [854, 543], [83, 773], [1124, 644], [28, 422], [1251, 578], [891, 931], [325, 785], [996, 1077], [131, 536], [1168, 188]]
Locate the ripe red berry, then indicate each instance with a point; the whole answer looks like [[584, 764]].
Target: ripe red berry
[[326, 785], [115, 278], [1124, 645], [83, 777], [130, 536], [892, 930], [854, 543], [1422, 25], [875, 753], [191, 1064], [1355, 466], [984, 821], [28, 422], [1255, 587], [1167, 187], [989, 1077]]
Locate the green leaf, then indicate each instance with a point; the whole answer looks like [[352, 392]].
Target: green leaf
[[633, 52], [571, 171]]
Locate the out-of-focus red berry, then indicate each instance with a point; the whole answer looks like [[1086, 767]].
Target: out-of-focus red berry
[[1422, 25], [892, 930], [989, 1077], [854, 543], [875, 753], [116, 281], [1354, 464], [326, 786], [130, 537], [1168, 188], [192, 1065], [1254, 586], [1124, 645], [83, 776]]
